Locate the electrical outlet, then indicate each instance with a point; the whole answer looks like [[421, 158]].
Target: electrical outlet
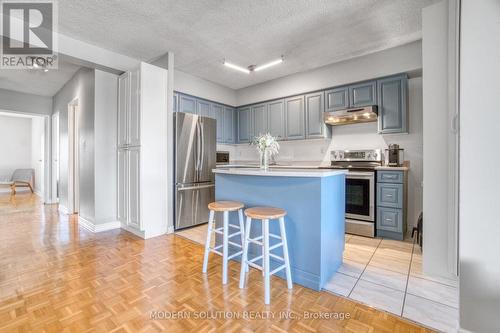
[[323, 150]]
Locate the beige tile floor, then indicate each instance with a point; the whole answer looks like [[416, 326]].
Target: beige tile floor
[[387, 275]]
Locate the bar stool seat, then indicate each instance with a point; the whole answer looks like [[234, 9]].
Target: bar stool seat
[[266, 214], [224, 207], [262, 213]]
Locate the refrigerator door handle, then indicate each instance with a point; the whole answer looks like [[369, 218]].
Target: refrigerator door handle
[[187, 188], [198, 149], [202, 155]]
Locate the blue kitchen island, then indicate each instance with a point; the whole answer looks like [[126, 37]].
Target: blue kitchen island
[[315, 202]]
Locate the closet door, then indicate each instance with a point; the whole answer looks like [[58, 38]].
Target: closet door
[[123, 107], [122, 186], [134, 123], [134, 188]]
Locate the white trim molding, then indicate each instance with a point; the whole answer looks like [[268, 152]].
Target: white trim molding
[[94, 228]]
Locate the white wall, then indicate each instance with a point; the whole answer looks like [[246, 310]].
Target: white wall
[[405, 58], [25, 103], [38, 152], [192, 85], [439, 255], [80, 86], [105, 133], [479, 161], [359, 136], [15, 147]]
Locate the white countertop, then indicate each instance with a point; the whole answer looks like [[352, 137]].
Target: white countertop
[[281, 172]]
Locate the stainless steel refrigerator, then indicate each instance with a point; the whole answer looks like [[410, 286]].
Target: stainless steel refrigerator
[[195, 157]]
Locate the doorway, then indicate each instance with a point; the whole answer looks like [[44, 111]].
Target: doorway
[[73, 156], [55, 159]]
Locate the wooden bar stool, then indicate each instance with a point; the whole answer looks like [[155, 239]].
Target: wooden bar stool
[[265, 214], [225, 207]]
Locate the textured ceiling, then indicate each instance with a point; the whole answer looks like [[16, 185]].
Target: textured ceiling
[[32, 81], [201, 33]]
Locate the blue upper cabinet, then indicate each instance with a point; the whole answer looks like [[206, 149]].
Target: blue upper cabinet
[[295, 118], [315, 107], [260, 119], [229, 120], [363, 94], [203, 108], [393, 105], [276, 118], [245, 124], [218, 111], [187, 104], [337, 99]]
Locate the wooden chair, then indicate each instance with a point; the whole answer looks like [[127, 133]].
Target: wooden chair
[[20, 178]]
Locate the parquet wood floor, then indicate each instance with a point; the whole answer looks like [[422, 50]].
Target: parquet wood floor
[[56, 277]]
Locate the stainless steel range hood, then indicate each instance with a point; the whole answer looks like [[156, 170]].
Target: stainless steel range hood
[[351, 116]]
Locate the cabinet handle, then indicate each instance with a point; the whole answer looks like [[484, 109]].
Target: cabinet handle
[[389, 195], [388, 220]]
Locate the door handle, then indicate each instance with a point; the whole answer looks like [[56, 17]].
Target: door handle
[[202, 139], [195, 187]]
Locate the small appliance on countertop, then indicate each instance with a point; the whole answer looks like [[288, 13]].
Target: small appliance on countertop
[[394, 156], [222, 158]]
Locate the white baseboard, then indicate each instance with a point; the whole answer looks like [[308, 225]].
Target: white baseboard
[[90, 226], [136, 232], [86, 224], [63, 209]]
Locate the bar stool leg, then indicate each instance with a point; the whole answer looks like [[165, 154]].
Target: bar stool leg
[[285, 253], [209, 239], [267, 277], [244, 256], [242, 227], [225, 242]]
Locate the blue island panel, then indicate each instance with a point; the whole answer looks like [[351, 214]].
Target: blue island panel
[[314, 223]]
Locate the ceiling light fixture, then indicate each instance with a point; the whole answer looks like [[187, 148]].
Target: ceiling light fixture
[[236, 67], [253, 68], [269, 64]]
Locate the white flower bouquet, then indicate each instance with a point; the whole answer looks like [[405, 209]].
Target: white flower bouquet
[[267, 145]]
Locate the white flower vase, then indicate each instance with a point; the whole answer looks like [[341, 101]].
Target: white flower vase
[[264, 160]]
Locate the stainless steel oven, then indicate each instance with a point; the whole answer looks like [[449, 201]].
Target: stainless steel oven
[[360, 188], [360, 203]]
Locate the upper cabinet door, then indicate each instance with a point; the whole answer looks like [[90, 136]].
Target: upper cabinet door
[[187, 104], [229, 114], [218, 112], [363, 94], [134, 119], [276, 118], [294, 118], [259, 119], [123, 106], [392, 105], [337, 99], [203, 109], [315, 125], [245, 122]]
